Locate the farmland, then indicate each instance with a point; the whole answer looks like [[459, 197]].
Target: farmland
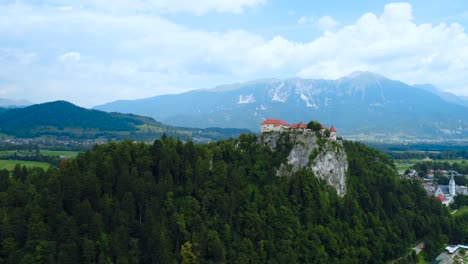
[[10, 164]]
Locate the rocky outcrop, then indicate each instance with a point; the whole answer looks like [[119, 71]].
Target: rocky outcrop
[[326, 158]]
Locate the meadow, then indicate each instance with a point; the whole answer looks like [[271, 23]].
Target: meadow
[[10, 164], [62, 153], [404, 164]]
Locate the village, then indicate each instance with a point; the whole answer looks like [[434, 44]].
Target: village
[[445, 193], [442, 192]]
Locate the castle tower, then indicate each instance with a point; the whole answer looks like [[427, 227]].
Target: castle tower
[[452, 189], [333, 133]]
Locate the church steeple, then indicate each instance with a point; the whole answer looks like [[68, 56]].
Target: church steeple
[[452, 186]]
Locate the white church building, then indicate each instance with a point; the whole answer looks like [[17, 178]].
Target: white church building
[[445, 193]]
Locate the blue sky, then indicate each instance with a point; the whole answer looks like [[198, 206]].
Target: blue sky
[[95, 51]]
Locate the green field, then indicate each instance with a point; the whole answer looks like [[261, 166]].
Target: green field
[[404, 164], [4, 153], [463, 210], [64, 153], [10, 164]]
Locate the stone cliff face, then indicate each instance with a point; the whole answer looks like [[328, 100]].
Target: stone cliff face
[[326, 158]]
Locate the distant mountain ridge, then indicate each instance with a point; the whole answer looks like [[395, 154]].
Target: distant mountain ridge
[[8, 103], [61, 118], [362, 104], [448, 97]]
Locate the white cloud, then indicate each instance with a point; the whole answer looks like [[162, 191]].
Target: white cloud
[[135, 56], [21, 57], [326, 23], [305, 20], [198, 7], [390, 44], [302, 20], [70, 57], [65, 8], [204, 6], [397, 12]]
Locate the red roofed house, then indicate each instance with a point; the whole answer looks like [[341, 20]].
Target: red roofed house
[[298, 126], [333, 133], [274, 125], [443, 199]]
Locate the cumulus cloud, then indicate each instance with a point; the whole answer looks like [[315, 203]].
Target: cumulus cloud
[[326, 23], [135, 56], [397, 12], [389, 43]]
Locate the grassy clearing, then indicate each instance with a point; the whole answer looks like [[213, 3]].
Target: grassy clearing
[[64, 153], [4, 153], [10, 164], [404, 164], [463, 210], [148, 128], [421, 259]]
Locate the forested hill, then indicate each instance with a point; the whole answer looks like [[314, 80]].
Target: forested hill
[[61, 118], [220, 202], [62, 114]]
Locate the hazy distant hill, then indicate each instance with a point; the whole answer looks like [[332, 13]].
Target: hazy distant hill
[[8, 103], [62, 118], [448, 97], [362, 104]]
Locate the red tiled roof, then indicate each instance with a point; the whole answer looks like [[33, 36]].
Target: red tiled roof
[[299, 125], [323, 127], [275, 122], [442, 198], [332, 129]]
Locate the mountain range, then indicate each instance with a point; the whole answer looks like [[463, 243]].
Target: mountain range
[[63, 119], [362, 105]]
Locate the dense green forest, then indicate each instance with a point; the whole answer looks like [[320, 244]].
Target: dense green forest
[[173, 202]]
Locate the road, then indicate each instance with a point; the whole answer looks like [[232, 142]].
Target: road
[[418, 248]]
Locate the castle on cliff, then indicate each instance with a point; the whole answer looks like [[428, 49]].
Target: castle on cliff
[[277, 125]]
